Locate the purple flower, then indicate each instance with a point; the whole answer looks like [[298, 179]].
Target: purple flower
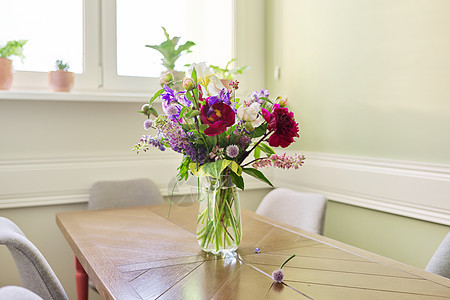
[[169, 95], [181, 98], [224, 96], [278, 276], [232, 151], [256, 95], [196, 155], [147, 124]]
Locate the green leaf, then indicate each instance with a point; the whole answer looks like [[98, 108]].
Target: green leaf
[[257, 153], [259, 131], [202, 127], [266, 149], [266, 99], [215, 168], [156, 95], [183, 111], [237, 180], [257, 174], [192, 114], [194, 75], [189, 96]]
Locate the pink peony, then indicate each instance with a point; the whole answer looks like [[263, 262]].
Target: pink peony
[[282, 122]]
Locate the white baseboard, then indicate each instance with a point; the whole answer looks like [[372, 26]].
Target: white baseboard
[[412, 189]]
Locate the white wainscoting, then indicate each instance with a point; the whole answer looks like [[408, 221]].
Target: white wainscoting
[[417, 190], [34, 182], [412, 189]]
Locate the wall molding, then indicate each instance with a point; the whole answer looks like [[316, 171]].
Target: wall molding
[[64, 180], [412, 189]]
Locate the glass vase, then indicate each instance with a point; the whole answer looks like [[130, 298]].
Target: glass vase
[[219, 229]]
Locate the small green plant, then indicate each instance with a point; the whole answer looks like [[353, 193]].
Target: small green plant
[[169, 50], [226, 73], [62, 66], [13, 48]]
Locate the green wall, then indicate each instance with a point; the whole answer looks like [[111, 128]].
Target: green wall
[[367, 78], [407, 240]]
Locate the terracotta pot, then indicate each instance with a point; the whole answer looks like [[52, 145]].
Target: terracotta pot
[[6, 73], [61, 81]]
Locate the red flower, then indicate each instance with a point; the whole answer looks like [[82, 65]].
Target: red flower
[[282, 122], [218, 116]]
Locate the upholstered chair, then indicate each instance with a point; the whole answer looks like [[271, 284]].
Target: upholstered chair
[[115, 194], [440, 262], [302, 210], [35, 273]]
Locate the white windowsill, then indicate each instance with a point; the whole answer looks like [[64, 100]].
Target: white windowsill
[[75, 96]]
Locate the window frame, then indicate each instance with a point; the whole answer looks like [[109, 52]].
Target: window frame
[[90, 79], [100, 53]]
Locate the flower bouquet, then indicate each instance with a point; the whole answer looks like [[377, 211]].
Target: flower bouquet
[[216, 133]]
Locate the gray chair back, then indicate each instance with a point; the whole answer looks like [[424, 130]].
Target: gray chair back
[[302, 210], [34, 271], [12, 292], [114, 194], [440, 262]]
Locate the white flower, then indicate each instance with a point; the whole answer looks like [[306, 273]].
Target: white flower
[[214, 86], [211, 84], [251, 114], [203, 71]]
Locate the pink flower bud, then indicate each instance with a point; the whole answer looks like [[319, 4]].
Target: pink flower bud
[[281, 102], [188, 84]]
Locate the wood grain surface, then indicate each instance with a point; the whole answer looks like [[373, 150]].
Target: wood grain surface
[[145, 253]]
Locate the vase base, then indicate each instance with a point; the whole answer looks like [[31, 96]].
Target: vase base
[[221, 252]]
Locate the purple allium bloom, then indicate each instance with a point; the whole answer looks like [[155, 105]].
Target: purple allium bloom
[[173, 110], [147, 124], [278, 276], [244, 141], [232, 151]]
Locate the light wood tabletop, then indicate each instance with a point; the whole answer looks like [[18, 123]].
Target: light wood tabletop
[[145, 253]]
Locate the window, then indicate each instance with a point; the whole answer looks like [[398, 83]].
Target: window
[[56, 32], [104, 40]]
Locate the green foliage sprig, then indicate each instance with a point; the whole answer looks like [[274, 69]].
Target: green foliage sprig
[[227, 73], [62, 66], [13, 48], [169, 50]]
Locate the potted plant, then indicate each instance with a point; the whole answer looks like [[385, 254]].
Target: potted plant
[[226, 75], [12, 48], [61, 80], [171, 53]]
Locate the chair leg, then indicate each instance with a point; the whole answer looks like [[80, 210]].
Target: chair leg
[[81, 279]]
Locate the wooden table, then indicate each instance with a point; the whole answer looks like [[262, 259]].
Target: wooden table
[[142, 253]]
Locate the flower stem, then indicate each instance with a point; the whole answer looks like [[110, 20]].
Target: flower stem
[[285, 262]]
